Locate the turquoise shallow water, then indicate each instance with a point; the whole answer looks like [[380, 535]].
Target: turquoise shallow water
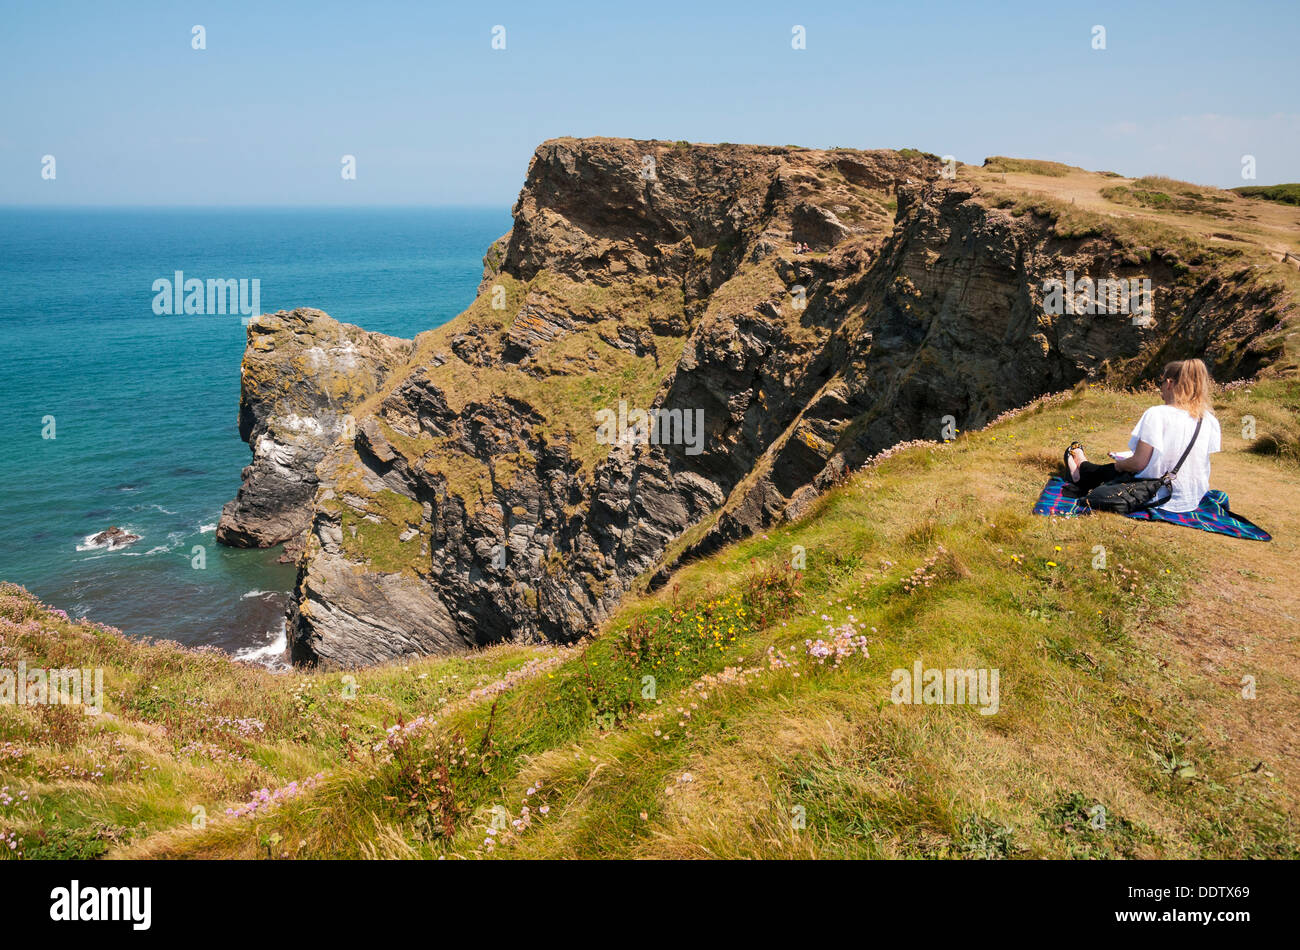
[[144, 406]]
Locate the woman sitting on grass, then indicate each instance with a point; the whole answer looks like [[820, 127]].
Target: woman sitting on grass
[[1159, 439]]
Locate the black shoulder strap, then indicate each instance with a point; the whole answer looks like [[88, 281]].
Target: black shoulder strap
[[1173, 472]]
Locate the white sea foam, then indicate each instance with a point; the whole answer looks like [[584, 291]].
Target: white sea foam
[[273, 656], [86, 545], [205, 528], [255, 593], [147, 506], [174, 540]]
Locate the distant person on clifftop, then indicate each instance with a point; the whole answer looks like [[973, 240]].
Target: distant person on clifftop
[[1160, 438]]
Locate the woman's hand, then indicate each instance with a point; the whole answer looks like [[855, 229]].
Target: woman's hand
[[1135, 462]]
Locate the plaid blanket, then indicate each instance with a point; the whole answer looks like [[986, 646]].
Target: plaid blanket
[[1213, 514]]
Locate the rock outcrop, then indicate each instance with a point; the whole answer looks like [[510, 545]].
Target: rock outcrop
[[302, 374], [648, 353], [113, 538]]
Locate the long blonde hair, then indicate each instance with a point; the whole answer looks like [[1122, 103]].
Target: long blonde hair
[[1191, 386]]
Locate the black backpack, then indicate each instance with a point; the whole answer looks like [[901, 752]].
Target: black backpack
[[1128, 493]]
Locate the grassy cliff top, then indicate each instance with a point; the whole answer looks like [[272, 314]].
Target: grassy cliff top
[[1153, 210], [1288, 193], [1113, 692]]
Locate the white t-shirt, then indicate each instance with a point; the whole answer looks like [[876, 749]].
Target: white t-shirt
[[1168, 429]]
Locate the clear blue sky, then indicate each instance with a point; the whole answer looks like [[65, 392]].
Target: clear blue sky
[[434, 115]]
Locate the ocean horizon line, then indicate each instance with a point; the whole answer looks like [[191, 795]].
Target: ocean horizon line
[[256, 207]]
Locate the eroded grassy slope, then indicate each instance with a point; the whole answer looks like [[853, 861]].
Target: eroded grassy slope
[[1113, 693]]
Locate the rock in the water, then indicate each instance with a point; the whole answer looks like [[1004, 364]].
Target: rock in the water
[[113, 539]]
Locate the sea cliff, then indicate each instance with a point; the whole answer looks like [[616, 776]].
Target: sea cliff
[[810, 307]]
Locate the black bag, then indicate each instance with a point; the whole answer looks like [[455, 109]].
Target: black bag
[[1128, 494]]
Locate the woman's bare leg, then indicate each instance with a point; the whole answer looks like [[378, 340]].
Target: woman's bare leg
[[1075, 458]]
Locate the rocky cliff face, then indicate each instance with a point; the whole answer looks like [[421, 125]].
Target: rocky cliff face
[[500, 481]]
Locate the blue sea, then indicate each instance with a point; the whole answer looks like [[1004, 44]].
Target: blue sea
[[142, 408]]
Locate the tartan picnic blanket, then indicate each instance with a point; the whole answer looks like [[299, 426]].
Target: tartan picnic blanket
[[1213, 513]]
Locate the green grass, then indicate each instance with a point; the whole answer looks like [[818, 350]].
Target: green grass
[[1272, 423], [1287, 194], [1168, 194], [918, 153], [1027, 166]]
